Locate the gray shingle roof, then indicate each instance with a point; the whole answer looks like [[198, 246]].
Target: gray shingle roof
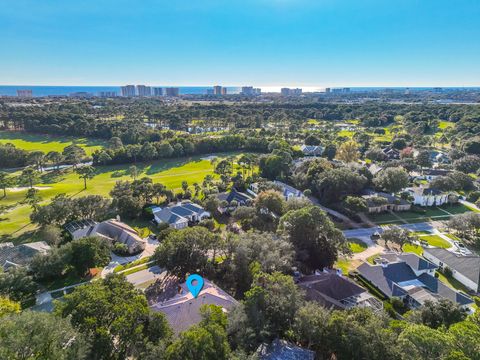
[[21, 255], [416, 262], [283, 350], [468, 266]]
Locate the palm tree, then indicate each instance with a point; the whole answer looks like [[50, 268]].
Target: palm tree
[[85, 172]]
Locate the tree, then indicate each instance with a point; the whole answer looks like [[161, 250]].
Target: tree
[[39, 335], [436, 314], [334, 184], [224, 167], [472, 145], [37, 158], [5, 182], [391, 180], [73, 154], [274, 166], [133, 171], [467, 164], [186, 251], [33, 198], [330, 151], [421, 342], [89, 252], [115, 143], [423, 159], [312, 140], [205, 341], [270, 201], [55, 158], [397, 235], [8, 306], [376, 154], [355, 204], [348, 152], [263, 251], [315, 238], [17, 284], [85, 172], [115, 317], [28, 176], [267, 312]]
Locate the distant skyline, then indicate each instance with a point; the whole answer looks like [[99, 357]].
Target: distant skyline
[[264, 43]]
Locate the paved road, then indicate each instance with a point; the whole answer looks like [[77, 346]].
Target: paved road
[[143, 276], [367, 232]]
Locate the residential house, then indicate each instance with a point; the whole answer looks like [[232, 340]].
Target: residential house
[[283, 350], [378, 202], [229, 201], [429, 174], [332, 290], [182, 310], [312, 150], [179, 216], [391, 153], [20, 255], [112, 230], [288, 191], [374, 169], [465, 268], [426, 196], [411, 278]]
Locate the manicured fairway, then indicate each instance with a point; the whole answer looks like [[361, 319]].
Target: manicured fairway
[[47, 143], [170, 173]]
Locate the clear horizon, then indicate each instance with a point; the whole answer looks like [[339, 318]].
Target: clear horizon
[[309, 43]]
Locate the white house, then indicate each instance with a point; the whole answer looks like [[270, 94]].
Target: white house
[[289, 191], [423, 196], [465, 269], [180, 215], [312, 150]]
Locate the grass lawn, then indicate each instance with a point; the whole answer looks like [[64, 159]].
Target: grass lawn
[[46, 143], [356, 245], [346, 133], [15, 222], [344, 265], [413, 249], [435, 240], [445, 124], [431, 213]]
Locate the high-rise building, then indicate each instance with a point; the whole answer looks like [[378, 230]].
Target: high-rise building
[[247, 90], [107, 94], [172, 91], [257, 91], [327, 90], [157, 91], [27, 93], [143, 90], [224, 91], [128, 90], [290, 92], [217, 90]]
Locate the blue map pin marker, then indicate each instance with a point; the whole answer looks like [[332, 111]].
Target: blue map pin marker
[[197, 287]]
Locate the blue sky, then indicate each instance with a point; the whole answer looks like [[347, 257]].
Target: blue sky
[[259, 42]]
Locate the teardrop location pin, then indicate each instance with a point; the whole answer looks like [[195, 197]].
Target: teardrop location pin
[[195, 284]]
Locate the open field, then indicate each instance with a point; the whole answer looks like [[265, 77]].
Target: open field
[[15, 222], [46, 143]]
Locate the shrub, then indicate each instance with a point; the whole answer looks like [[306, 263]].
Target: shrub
[[120, 249]]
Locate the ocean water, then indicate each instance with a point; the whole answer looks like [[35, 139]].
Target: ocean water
[[11, 90]]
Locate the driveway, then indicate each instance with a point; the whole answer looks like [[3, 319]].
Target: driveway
[[142, 276]]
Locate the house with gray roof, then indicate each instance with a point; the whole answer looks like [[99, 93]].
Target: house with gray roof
[[378, 202], [465, 268], [229, 201], [180, 215], [20, 255], [283, 350], [411, 278], [312, 150], [112, 230], [333, 290], [288, 191]]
